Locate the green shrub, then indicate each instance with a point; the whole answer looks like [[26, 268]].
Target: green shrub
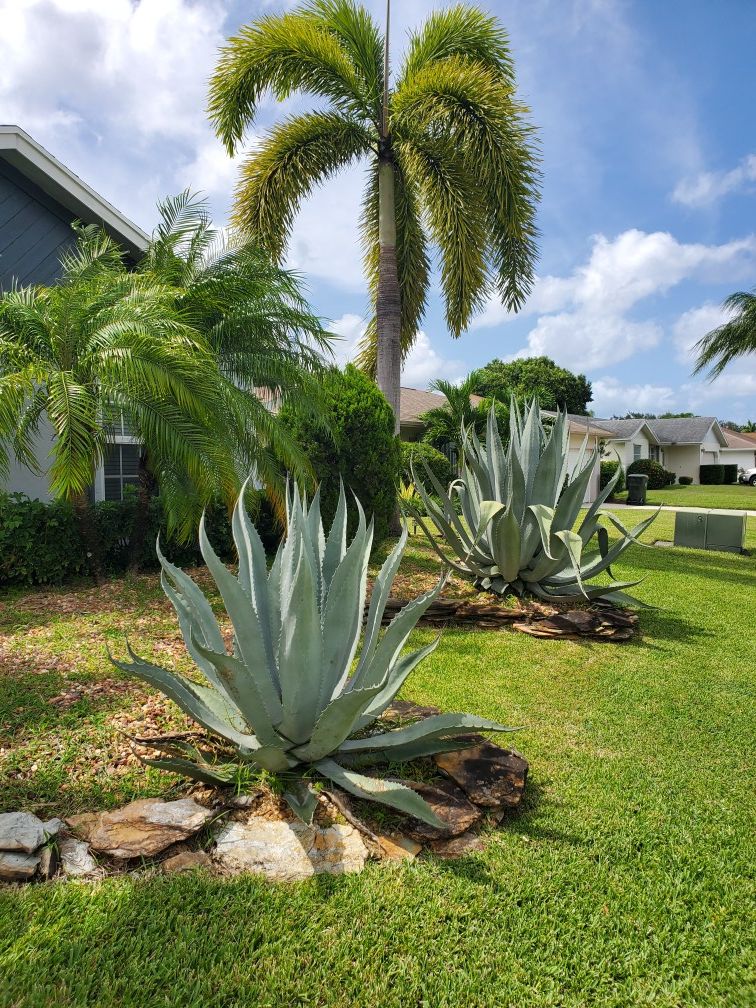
[[657, 474], [686, 480], [671, 477], [608, 469], [361, 448], [730, 473], [437, 462], [40, 542], [711, 475]]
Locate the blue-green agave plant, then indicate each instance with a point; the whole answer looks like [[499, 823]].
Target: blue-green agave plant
[[291, 699], [514, 529]]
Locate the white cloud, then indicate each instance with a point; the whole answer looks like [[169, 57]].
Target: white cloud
[[584, 319], [350, 329], [707, 187], [424, 364], [693, 325], [610, 397]]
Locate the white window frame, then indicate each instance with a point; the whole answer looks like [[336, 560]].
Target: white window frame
[[637, 451], [117, 439]]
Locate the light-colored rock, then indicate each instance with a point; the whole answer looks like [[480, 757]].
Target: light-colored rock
[[186, 860], [52, 827], [397, 847], [21, 831], [289, 852], [75, 859], [17, 866], [49, 860], [141, 829]]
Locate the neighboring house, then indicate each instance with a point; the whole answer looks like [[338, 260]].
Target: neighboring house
[[39, 199], [414, 402], [740, 450], [681, 445]]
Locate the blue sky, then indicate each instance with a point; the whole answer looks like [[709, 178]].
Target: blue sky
[[649, 191]]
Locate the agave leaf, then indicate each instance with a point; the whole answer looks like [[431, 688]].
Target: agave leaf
[[302, 799], [344, 612], [300, 658], [194, 601], [394, 639], [253, 574], [396, 677], [545, 518], [248, 631], [574, 545], [193, 699], [336, 723], [386, 792], [335, 546], [220, 776], [441, 726], [191, 629], [380, 595], [505, 541], [251, 690]]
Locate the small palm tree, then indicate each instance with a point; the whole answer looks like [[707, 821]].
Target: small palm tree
[[269, 345], [462, 411], [450, 154], [734, 339], [104, 340]]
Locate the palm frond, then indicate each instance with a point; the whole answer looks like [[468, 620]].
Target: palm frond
[[298, 154], [281, 54], [736, 338]]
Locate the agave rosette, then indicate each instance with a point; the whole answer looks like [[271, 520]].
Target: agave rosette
[[514, 529], [293, 698]]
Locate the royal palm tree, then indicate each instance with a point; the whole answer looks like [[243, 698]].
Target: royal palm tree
[[736, 338], [103, 340], [450, 156]]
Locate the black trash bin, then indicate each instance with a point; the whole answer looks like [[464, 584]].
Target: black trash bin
[[636, 488]]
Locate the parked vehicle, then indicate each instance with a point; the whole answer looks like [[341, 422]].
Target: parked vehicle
[[747, 476]]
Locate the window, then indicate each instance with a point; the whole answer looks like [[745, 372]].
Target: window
[[637, 452], [121, 465], [653, 452]]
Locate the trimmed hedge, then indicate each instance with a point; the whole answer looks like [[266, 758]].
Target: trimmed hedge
[[437, 462], [657, 474], [711, 475], [730, 473], [361, 448], [686, 480], [608, 469], [40, 543]]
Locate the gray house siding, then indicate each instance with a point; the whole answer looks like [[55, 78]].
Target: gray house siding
[[34, 230]]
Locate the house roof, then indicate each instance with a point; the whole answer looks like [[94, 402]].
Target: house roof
[[414, 402], [737, 440], [625, 430], [678, 430], [18, 149]]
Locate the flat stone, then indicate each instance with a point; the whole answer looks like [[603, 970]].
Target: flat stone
[[16, 866], [21, 831], [449, 804], [289, 851], [488, 774], [49, 859], [186, 861], [75, 859], [466, 843], [397, 847], [143, 828]]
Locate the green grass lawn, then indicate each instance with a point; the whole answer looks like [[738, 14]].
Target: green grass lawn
[[626, 879], [733, 497]]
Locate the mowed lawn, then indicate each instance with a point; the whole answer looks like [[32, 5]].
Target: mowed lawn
[[735, 497], [626, 879]]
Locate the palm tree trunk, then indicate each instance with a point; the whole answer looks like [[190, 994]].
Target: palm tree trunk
[[388, 307], [388, 301], [89, 536]]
